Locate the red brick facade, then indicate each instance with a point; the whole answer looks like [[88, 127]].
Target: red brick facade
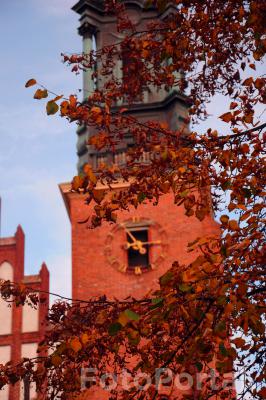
[[27, 333], [92, 272]]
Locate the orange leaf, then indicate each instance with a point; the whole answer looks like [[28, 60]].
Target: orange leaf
[[30, 82], [224, 219], [75, 344], [77, 182], [248, 81], [245, 148], [56, 360], [64, 107], [58, 97], [40, 94], [248, 118], [84, 338], [259, 83], [233, 225], [72, 100], [227, 117], [98, 195]]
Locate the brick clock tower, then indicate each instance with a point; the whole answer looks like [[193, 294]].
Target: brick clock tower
[[126, 258], [105, 260]]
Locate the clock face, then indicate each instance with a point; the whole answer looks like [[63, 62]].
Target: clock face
[[136, 245]]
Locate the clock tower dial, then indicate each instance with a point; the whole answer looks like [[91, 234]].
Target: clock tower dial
[[136, 245]]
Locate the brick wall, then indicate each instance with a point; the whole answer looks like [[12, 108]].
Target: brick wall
[[12, 252]]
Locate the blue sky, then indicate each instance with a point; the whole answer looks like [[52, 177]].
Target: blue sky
[[37, 151]]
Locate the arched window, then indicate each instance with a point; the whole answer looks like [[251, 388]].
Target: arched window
[[6, 273]]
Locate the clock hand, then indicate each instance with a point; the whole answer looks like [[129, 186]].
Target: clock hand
[[138, 243], [153, 242], [130, 235]]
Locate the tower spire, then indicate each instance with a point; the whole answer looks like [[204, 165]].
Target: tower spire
[[162, 105]]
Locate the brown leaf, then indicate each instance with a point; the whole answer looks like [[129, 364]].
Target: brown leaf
[[40, 94], [56, 360], [233, 225], [226, 117], [233, 105], [248, 81], [30, 82]]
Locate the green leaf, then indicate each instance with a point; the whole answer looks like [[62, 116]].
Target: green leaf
[[31, 82], [132, 315], [223, 251], [51, 107], [226, 185], [184, 193], [199, 366], [222, 350], [220, 327], [141, 197], [134, 337], [166, 278], [222, 300], [158, 302], [114, 328], [184, 287]]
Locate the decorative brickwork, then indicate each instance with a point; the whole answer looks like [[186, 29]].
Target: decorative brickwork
[[27, 327]]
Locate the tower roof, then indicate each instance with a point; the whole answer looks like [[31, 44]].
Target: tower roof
[[98, 5], [94, 5]]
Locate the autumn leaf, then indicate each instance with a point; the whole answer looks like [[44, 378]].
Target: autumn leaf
[[131, 315], [245, 148], [114, 328], [30, 82], [259, 83], [84, 338], [239, 342], [77, 182], [96, 114], [233, 225], [40, 94], [224, 219], [51, 108], [98, 195], [248, 81], [166, 278], [123, 319], [56, 360], [226, 117], [184, 288], [262, 392], [233, 105], [75, 344]]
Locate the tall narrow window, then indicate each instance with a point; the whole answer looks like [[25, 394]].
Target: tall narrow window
[[138, 251]]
